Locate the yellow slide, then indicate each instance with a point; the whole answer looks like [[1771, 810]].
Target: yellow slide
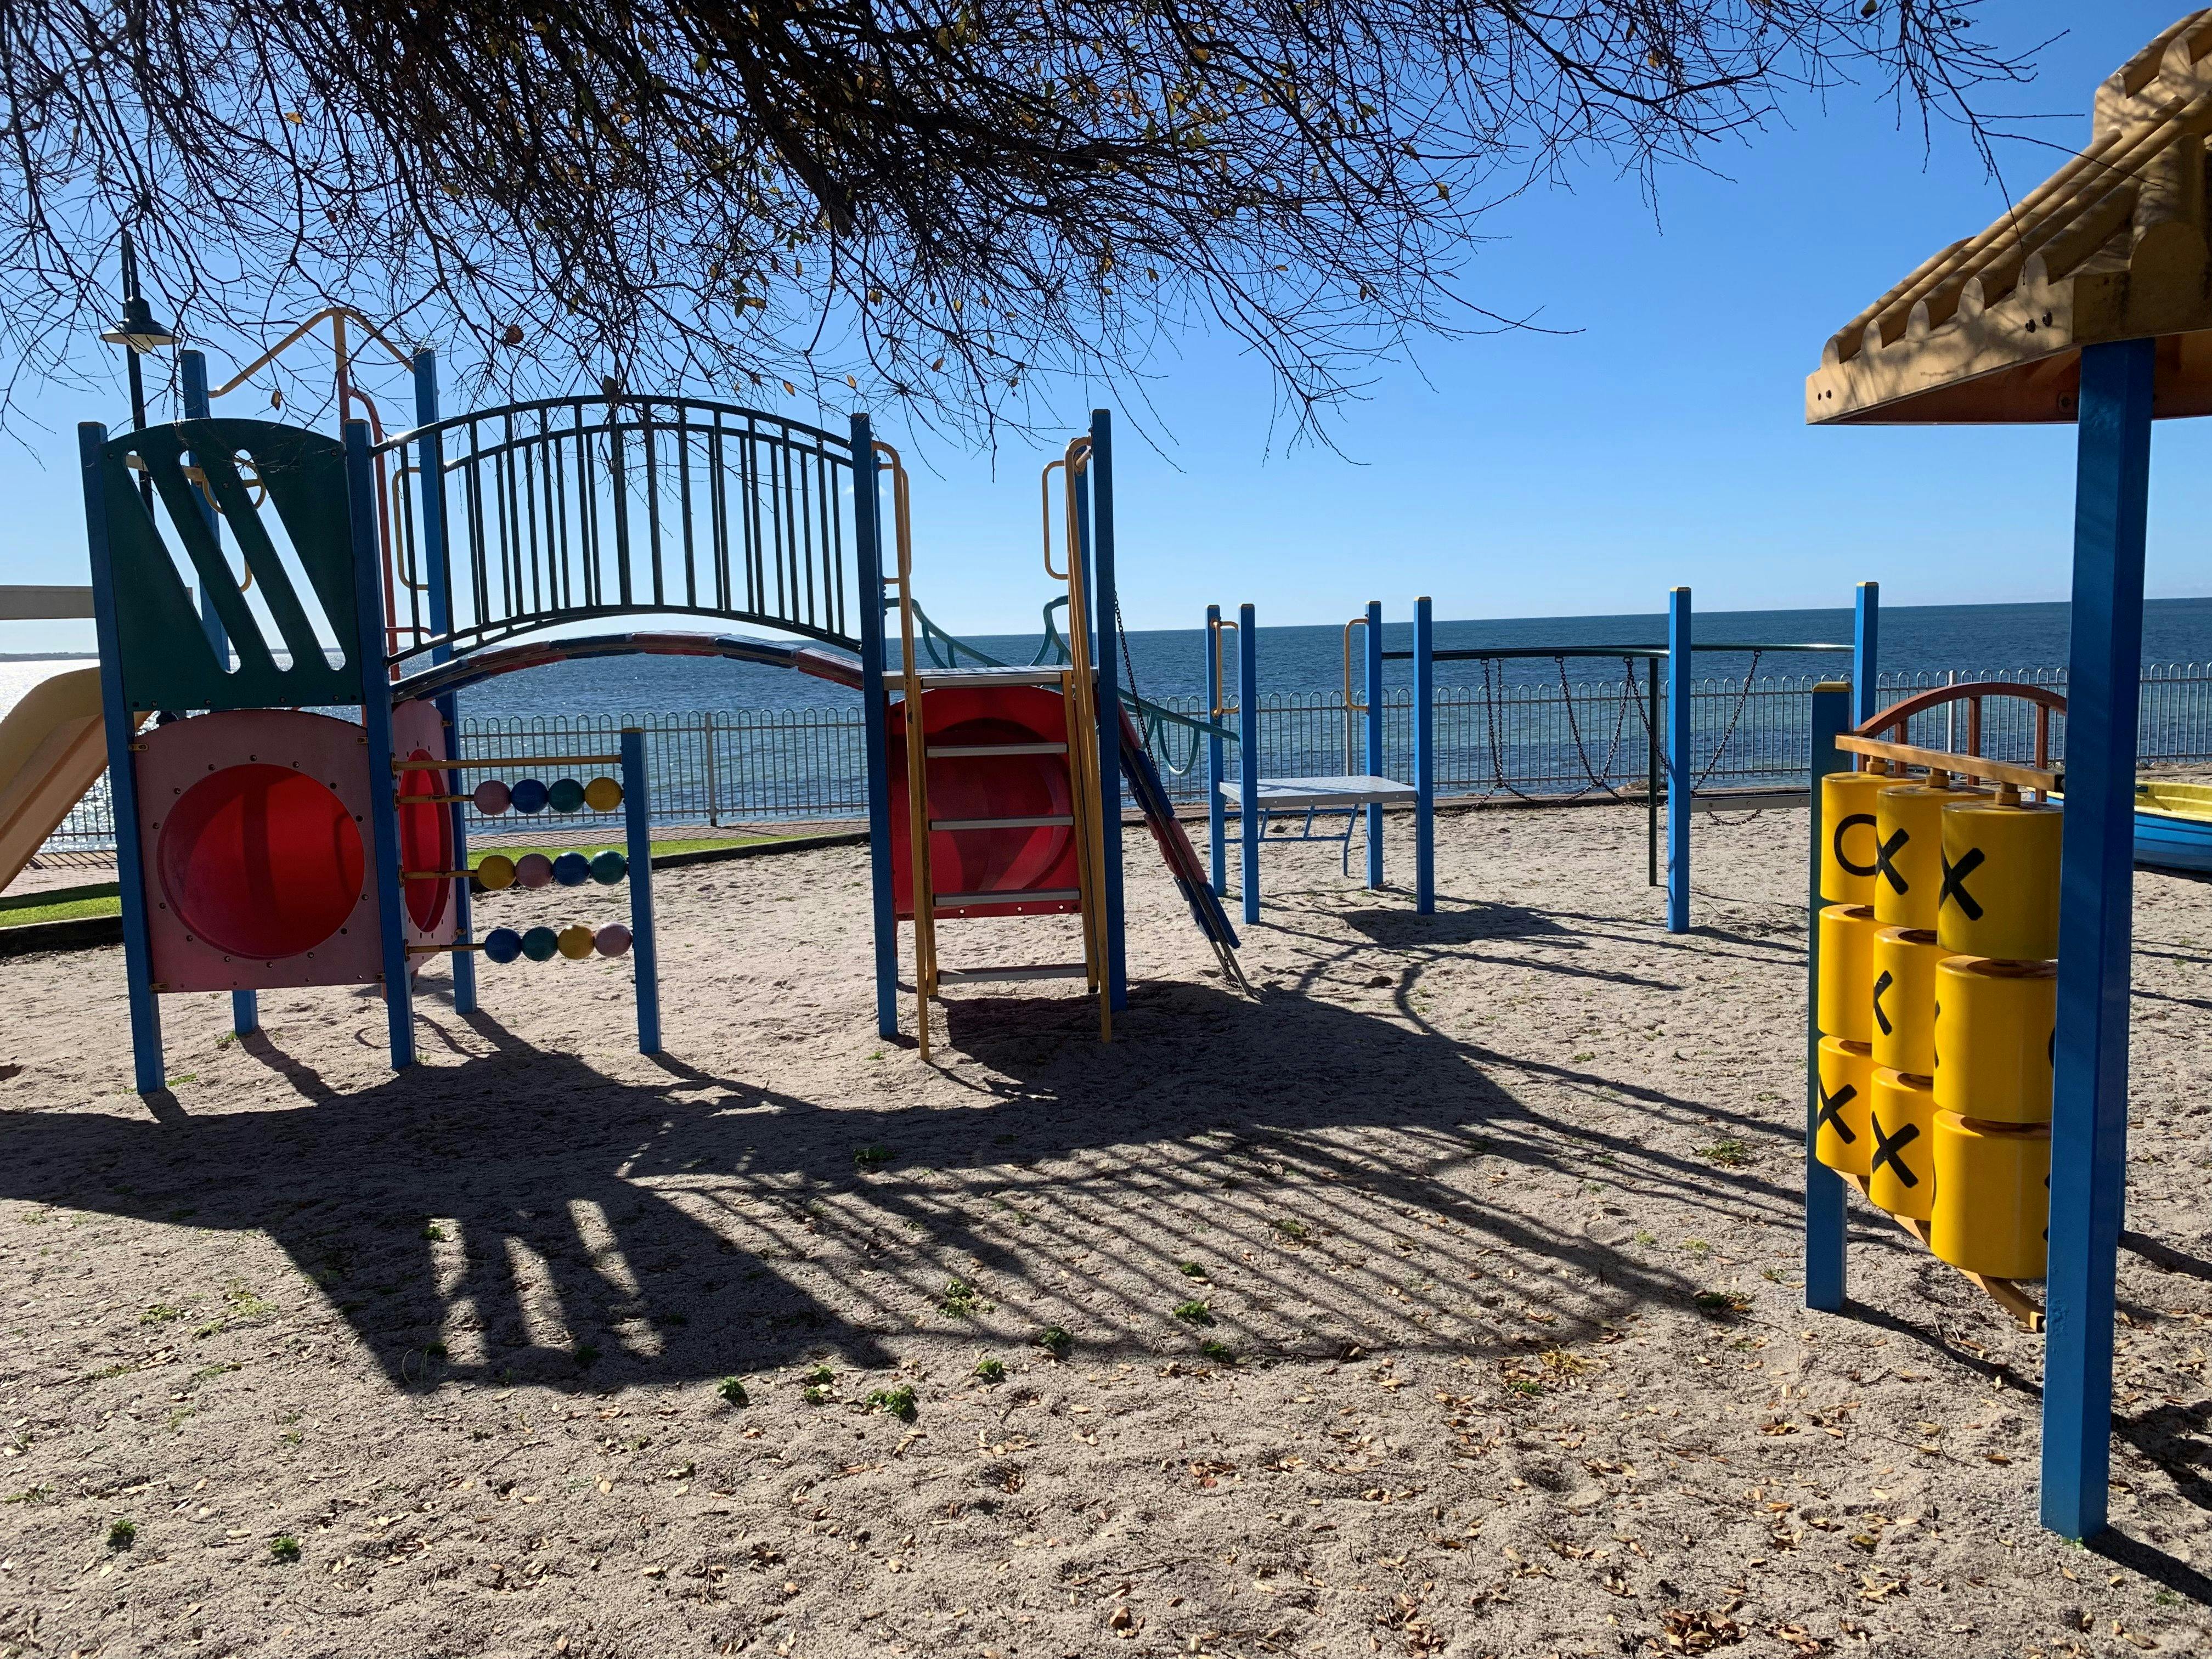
[[51, 751]]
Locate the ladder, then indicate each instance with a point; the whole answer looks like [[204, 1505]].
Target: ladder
[[1076, 681]]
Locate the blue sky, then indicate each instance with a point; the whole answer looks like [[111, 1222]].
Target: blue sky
[[1529, 474]]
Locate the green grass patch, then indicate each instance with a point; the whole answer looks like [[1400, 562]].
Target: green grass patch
[[60, 910], [93, 889], [898, 1402]]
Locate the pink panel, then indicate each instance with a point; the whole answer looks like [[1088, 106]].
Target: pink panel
[[270, 811], [260, 874]]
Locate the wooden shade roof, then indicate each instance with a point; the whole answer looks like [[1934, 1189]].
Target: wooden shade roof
[[2111, 247]]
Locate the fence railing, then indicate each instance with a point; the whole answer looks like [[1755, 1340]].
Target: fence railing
[[1563, 741]]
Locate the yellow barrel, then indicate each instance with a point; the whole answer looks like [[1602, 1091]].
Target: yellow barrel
[[1901, 1163], [2000, 880], [1903, 999], [1840, 1136], [1909, 851], [1844, 1006], [1847, 826], [1994, 1025], [1993, 1204]]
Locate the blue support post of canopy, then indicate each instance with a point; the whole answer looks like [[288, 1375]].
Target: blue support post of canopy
[[1679, 673], [1866, 639], [2089, 1099], [868, 537], [1825, 1220]]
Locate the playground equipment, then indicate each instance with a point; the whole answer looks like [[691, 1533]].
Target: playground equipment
[[333, 853], [51, 751], [2084, 303], [1671, 773], [1932, 1008], [1358, 798], [529, 796], [51, 748]]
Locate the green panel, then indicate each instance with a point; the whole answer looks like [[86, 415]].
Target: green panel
[[167, 660]]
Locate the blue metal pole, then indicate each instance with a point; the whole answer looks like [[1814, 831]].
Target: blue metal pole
[[245, 1006], [1375, 738], [368, 649], [2089, 1098], [1248, 760], [1825, 1220], [1106, 609], [868, 541], [115, 715], [1866, 639], [1679, 675], [1425, 758], [437, 564], [645, 955], [1217, 824], [193, 368]]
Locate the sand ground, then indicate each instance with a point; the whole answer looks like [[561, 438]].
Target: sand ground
[[1442, 1299]]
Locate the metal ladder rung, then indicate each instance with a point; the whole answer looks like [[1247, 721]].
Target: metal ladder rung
[[1059, 821], [1043, 970], [1036, 895], [963, 750]]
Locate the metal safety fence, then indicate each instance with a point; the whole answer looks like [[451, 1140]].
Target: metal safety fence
[[1566, 740]]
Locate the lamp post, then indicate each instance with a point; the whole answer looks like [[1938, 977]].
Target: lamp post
[[138, 333]]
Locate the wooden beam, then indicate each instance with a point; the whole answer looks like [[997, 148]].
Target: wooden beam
[[1958, 766]]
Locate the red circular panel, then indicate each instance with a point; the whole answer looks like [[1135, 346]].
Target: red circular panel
[[260, 861], [426, 843]]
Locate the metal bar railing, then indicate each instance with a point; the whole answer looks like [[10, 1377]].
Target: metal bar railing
[[1559, 740]]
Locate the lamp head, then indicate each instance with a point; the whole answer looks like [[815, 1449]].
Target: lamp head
[[138, 329]]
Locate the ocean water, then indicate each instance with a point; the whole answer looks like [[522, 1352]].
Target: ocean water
[[1171, 662]]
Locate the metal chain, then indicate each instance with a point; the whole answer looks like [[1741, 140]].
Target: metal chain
[[1728, 735]]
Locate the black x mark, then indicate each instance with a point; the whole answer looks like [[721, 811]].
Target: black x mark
[[1832, 1110], [1885, 860], [1887, 1148], [1880, 1019], [1954, 883]]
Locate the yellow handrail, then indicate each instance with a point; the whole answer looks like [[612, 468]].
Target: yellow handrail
[[338, 315], [917, 773], [1221, 625]]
